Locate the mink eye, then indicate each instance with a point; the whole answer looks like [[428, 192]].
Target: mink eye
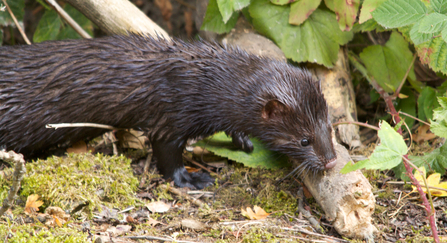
[[304, 142]]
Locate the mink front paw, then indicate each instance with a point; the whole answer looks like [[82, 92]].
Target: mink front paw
[[196, 180], [242, 142]]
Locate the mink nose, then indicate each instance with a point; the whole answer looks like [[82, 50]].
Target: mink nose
[[331, 164]]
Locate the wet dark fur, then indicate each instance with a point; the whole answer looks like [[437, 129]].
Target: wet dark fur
[[176, 90]]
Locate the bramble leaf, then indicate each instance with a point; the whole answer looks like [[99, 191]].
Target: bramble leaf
[[222, 145], [301, 10], [398, 13], [213, 20]]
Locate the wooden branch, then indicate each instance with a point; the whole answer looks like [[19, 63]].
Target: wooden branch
[[118, 17]]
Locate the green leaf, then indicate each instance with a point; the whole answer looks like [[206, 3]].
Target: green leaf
[[213, 20], [317, 40], [226, 9], [240, 4], [397, 13], [435, 160], [18, 9], [427, 103], [443, 35], [367, 7], [388, 153], [407, 105], [221, 145], [439, 125], [330, 4], [439, 6], [388, 64], [48, 27], [301, 10], [432, 23], [419, 37], [346, 12]]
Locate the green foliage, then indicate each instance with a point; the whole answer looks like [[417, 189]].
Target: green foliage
[[346, 12], [425, 26], [221, 145], [427, 101], [51, 26], [388, 64], [388, 153], [367, 7], [439, 125], [213, 20], [318, 39], [37, 234], [17, 8], [301, 10]]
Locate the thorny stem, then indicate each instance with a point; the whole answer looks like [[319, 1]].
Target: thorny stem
[[409, 171]]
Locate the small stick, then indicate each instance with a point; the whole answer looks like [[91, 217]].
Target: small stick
[[17, 23], [86, 124], [68, 19]]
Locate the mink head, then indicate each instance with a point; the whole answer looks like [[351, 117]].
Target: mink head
[[295, 119]]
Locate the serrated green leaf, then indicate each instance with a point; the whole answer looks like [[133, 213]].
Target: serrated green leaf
[[301, 10], [440, 113], [432, 23], [213, 20], [18, 9], [48, 27], [427, 103], [221, 145], [346, 12], [397, 13], [439, 6], [367, 7], [388, 64], [419, 37], [439, 128], [388, 153], [317, 40]]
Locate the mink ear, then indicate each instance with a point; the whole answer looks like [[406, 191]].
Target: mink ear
[[274, 109]]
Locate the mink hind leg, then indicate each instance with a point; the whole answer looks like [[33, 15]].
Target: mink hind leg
[[168, 155]]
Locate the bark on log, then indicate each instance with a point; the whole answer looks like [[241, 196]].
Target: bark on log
[[346, 199], [118, 17]]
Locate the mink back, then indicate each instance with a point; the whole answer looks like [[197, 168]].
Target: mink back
[[173, 89]]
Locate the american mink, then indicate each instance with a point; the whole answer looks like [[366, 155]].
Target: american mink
[[174, 89]]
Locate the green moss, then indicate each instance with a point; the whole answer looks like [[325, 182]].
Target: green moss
[[77, 178], [31, 234]]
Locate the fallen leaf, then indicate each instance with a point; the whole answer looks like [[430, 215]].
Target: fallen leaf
[[158, 207], [432, 181], [423, 134], [131, 139], [32, 205], [258, 213], [154, 222], [189, 23]]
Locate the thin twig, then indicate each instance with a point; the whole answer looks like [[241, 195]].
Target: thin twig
[[68, 19], [155, 238], [417, 119], [177, 192], [86, 124], [357, 123], [17, 23], [405, 76]]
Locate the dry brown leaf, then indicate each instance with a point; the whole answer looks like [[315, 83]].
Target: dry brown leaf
[[32, 204], [191, 169], [80, 147], [131, 139], [158, 207], [166, 8], [258, 213], [423, 134]]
